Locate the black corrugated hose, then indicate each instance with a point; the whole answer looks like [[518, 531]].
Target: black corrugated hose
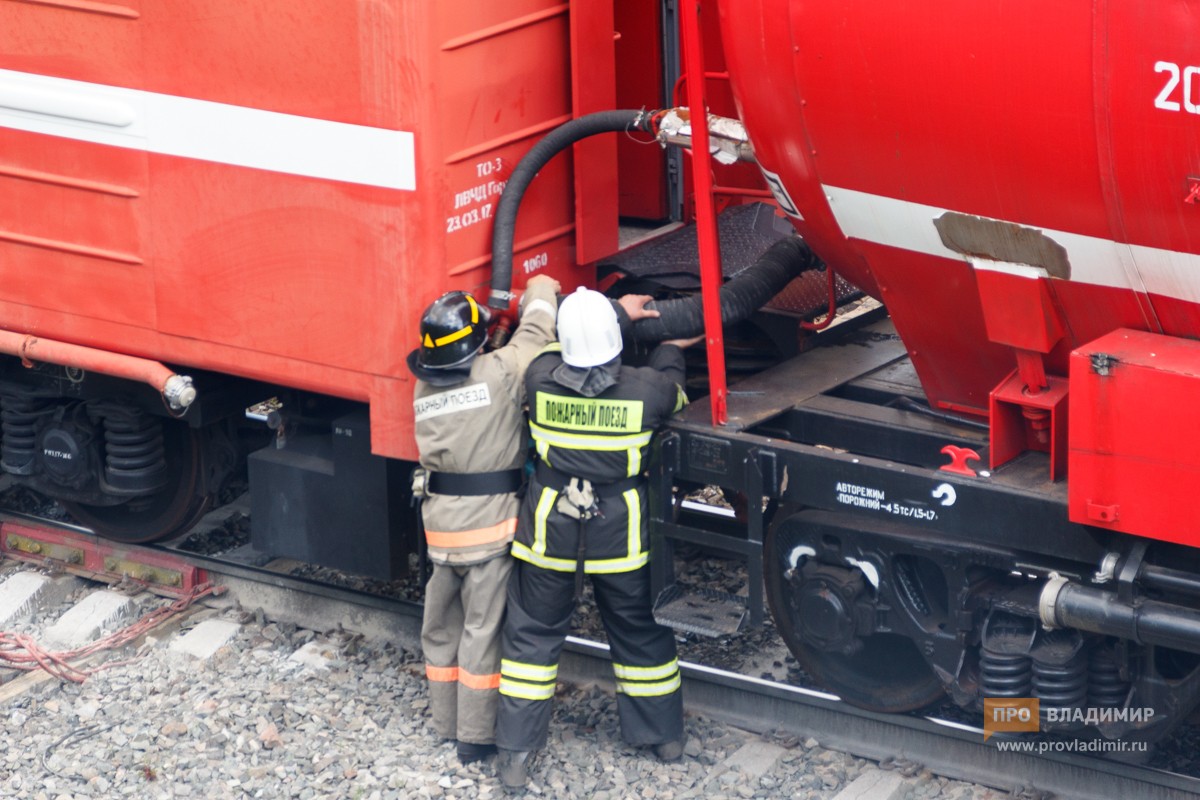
[[527, 169], [682, 318], [741, 296]]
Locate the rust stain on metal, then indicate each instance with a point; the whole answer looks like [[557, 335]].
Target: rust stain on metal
[[1003, 241], [47, 550], [143, 572]]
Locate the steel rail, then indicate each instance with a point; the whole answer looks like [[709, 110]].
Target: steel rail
[[945, 748]]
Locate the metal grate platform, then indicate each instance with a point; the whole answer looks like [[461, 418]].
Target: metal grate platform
[[703, 611], [745, 231]]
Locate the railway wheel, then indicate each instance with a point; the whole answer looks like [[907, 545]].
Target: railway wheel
[[166, 513], [821, 611]]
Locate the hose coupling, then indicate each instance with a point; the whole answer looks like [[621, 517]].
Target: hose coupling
[[179, 392]]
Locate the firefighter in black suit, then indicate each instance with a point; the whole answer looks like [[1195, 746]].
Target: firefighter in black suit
[[591, 420]]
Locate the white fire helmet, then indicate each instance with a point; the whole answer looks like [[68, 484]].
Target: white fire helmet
[[588, 329]]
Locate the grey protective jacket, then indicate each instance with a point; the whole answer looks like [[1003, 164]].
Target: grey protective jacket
[[476, 426]]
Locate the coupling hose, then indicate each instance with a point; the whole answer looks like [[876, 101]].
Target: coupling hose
[[527, 169]]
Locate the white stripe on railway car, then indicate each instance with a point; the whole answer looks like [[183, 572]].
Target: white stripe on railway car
[[1100, 262], [207, 131]]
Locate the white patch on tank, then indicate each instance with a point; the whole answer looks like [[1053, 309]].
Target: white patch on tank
[[1008, 267], [1095, 261]]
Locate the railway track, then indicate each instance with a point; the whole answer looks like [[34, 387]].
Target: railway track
[[767, 707], [944, 747]]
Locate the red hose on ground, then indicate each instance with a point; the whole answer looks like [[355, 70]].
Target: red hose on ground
[[22, 651]]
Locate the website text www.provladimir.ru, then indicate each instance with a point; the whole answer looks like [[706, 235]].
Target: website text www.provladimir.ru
[[1089, 746]]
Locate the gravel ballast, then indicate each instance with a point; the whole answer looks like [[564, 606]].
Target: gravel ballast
[[349, 719]]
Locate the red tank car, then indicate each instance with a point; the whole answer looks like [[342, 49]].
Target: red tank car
[[984, 499], [1013, 182]]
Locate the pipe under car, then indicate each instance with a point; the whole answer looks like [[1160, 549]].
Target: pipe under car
[[1063, 604]]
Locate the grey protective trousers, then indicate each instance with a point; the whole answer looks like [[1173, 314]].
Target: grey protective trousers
[[464, 609]]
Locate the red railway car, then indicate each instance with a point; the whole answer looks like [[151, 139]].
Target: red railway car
[[265, 191]]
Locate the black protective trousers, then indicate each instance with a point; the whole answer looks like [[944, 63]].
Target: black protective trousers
[[540, 604]]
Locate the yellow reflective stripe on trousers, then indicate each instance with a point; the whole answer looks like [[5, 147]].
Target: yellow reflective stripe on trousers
[[658, 672], [526, 691], [609, 566], [593, 566], [635, 557], [528, 672], [527, 681], [656, 689], [579, 441], [524, 553]]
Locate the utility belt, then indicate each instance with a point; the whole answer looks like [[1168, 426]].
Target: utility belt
[[467, 484], [557, 479], [578, 499]]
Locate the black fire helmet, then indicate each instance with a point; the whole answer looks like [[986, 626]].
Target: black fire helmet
[[453, 329]]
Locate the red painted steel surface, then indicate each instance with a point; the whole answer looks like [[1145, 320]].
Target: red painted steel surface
[[691, 13], [309, 281], [82, 553], [1075, 125], [1022, 420], [593, 88], [1128, 470], [639, 68]]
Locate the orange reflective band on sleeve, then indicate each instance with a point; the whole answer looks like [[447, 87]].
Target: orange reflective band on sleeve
[[441, 674], [478, 681], [450, 540]]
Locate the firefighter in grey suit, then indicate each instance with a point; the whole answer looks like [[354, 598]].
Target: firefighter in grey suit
[[471, 435]]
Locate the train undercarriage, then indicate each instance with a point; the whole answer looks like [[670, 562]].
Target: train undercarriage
[[120, 461], [901, 572], [111, 451]]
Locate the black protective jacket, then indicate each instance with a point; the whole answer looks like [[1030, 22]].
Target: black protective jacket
[[606, 440]]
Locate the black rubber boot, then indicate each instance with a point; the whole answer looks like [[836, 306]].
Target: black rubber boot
[[511, 766], [469, 752], [669, 751]]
